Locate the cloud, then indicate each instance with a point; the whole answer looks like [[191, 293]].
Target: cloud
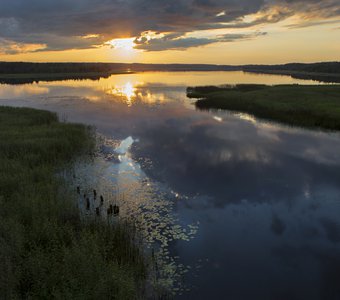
[[268, 15], [177, 42], [310, 9], [310, 23], [10, 47], [160, 44], [61, 24]]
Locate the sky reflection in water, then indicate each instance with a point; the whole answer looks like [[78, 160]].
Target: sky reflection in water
[[266, 196]]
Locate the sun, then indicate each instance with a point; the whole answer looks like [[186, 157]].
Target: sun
[[126, 44]]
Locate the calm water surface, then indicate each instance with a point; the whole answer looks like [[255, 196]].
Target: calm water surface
[[252, 207]]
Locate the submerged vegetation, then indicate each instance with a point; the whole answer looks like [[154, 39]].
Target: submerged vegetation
[[301, 105], [46, 250]]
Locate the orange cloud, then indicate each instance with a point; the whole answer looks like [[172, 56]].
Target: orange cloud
[[10, 47]]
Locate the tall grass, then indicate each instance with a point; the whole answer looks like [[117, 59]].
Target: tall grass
[[46, 250], [301, 105]]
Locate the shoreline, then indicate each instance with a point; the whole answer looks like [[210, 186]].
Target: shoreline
[[29, 78], [47, 249], [321, 71], [26, 78], [298, 105]]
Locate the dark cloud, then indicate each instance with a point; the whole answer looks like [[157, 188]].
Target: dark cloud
[[278, 227], [10, 47], [332, 230], [174, 42], [61, 24]]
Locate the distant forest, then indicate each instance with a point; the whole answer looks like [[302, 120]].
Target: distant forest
[[45, 68], [323, 67], [39, 68], [22, 72]]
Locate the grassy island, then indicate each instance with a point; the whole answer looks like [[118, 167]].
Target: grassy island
[[301, 105], [46, 250]]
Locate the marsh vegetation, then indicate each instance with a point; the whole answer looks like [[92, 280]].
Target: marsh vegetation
[[301, 105], [47, 251], [240, 182]]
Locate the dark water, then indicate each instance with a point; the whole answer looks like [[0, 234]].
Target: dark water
[[264, 197]]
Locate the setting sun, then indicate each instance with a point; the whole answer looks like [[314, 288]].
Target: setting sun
[[124, 44]]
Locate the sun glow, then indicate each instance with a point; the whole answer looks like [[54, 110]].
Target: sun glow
[[123, 44]]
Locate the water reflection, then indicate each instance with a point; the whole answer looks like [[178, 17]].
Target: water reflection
[[133, 94], [128, 91], [271, 162], [266, 196], [144, 204], [9, 91], [125, 84]]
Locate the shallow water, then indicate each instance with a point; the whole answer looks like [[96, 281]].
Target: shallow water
[[249, 208]]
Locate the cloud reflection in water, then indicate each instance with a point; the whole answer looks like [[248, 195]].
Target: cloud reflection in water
[[266, 195]]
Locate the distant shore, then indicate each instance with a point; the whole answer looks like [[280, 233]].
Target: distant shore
[[316, 76], [306, 106], [31, 77], [22, 72]]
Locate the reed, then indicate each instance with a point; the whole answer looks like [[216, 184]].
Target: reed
[[47, 250]]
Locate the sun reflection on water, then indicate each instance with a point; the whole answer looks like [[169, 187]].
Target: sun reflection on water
[[126, 91], [133, 93]]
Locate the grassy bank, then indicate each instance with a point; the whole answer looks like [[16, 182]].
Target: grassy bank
[[46, 251], [307, 106]]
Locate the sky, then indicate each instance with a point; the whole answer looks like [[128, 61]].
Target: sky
[[164, 31]]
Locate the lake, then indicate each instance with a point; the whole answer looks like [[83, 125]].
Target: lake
[[237, 207]]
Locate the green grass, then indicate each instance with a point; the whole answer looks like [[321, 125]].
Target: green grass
[[46, 250], [301, 105]]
